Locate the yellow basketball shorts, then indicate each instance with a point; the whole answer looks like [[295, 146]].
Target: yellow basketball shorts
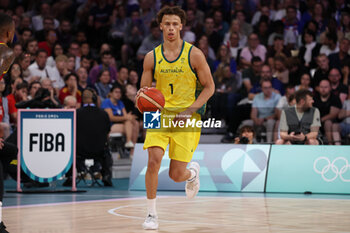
[[182, 141]]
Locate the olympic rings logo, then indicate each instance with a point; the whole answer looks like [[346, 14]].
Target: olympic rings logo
[[331, 165]]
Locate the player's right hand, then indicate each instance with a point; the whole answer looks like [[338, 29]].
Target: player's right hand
[[142, 89]]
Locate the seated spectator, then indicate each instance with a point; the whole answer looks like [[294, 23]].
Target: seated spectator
[[329, 106], [71, 63], [310, 50], [50, 40], [233, 45], [246, 135], [300, 124], [32, 48], [343, 128], [236, 29], [130, 94], [214, 39], [70, 102], [65, 34], [46, 83], [24, 62], [266, 74], [149, 42], [226, 82], [340, 59], [246, 28], [280, 70], [291, 24], [105, 47], [295, 70], [220, 25], [33, 88], [321, 72], [48, 24], [17, 49], [305, 82], [103, 85], [14, 72], [59, 71], [95, 71], [223, 57], [254, 48], [74, 54], [123, 75], [123, 122], [38, 69], [251, 75], [286, 100], [277, 49], [278, 31], [262, 29], [203, 42], [57, 50], [85, 50], [71, 88], [83, 77], [338, 89], [330, 44], [85, 62], [25, 35], [264, 111], [38, 20]]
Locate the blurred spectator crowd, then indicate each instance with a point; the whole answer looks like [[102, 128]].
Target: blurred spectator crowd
[[259, 52]]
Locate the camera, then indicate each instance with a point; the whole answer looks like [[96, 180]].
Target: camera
[[243, 140]]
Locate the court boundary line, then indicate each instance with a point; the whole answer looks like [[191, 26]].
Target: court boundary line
[[144, 197]]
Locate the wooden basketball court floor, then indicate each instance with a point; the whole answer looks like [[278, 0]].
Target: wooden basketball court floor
[[114, 210]]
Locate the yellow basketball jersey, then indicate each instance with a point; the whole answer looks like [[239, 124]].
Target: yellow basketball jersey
[[175, 79]]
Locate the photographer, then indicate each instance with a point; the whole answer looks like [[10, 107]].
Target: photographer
[[300, 124], [246, 135]]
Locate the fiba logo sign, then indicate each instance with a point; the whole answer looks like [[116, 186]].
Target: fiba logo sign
[[46, 142], [330, 171]]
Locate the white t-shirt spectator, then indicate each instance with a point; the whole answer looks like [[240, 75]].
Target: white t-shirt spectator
[[326, 50], [47, 72], [37, 22]]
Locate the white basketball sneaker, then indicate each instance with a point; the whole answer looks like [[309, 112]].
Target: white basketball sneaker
[[192, 186], [151, 223]]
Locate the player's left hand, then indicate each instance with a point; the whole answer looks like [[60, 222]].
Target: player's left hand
[[183, 116]]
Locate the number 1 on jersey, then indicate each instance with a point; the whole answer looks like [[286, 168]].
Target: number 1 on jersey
[[172, 88]]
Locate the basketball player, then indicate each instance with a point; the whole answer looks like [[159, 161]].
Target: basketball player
[[176, 66], [7, 31]]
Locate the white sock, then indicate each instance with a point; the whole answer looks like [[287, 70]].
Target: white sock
[[0, 211], [193, 174], [151, 206]]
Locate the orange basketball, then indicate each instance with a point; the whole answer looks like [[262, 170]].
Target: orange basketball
[[150, 100]]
